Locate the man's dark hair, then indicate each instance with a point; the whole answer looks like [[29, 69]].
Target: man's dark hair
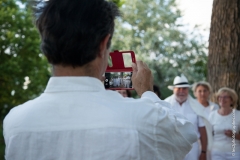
[[71, 31], [157, 90], [129, 94]]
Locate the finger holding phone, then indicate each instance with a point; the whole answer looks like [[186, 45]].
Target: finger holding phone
[[142, 78], [137, 76]]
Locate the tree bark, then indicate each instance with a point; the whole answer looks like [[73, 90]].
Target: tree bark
[[224, 46]]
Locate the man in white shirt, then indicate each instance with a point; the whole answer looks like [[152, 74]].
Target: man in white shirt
[[118, 81], [128, 81], [183, 103], [114, 82], [75, 117]]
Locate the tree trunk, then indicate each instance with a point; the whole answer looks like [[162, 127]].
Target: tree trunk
[[224, 46]]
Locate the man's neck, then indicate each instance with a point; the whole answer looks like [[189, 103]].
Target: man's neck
[[60, 70], [181, 102]]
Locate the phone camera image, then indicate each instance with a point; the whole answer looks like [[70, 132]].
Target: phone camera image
[[118, 80]]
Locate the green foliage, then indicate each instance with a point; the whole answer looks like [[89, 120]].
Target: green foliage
[[119, 3], [151, 29], [24, 70]]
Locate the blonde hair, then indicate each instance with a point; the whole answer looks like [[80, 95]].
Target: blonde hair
[[231, 93], [202, 83]]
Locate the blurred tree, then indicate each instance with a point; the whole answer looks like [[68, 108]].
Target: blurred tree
[[153, 31], [224, 46], [24, 70], [119, 3]]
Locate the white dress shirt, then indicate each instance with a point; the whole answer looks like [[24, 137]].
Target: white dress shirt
[[76, 118]]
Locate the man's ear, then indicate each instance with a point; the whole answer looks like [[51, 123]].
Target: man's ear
[[103, 45]]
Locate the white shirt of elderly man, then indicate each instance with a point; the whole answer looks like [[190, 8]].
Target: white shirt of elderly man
[[183, 103]]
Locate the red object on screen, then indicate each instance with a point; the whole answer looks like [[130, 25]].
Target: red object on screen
[[118, 61]]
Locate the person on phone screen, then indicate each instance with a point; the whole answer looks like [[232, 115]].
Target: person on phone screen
[[76, 117], [127, 81]]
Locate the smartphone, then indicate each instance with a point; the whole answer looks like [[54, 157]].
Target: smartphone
[[118, 80], [118, 74]]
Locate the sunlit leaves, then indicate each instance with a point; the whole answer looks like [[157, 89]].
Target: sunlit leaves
[[151, 30], [23, 72]]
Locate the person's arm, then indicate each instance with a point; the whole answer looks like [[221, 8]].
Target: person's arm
[[229, 133], [237, 136], [203, 139], [172, 129]]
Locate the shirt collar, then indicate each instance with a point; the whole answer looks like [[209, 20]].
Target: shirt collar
[[176, 102], [59, 84]]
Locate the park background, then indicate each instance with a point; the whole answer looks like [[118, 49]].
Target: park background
[[171, 36]]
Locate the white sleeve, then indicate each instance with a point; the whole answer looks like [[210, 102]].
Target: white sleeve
[[154, 98], [200, 122], [172, 129]]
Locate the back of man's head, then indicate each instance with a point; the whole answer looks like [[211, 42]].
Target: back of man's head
[[71, 31]]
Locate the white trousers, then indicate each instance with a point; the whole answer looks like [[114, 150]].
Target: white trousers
[[219, 155]]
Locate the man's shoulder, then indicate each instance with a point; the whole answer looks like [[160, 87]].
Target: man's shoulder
[[20, 110], [103, 107], [20, 116], [169, 99]]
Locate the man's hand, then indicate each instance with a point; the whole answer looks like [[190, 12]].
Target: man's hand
[[142, 78]]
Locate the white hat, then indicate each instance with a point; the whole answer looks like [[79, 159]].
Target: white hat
[[179, 82]]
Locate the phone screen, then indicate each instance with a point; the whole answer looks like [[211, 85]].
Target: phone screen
[[118, 80]]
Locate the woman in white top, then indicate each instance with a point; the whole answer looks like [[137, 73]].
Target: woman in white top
[[202, 91], [226, 127]]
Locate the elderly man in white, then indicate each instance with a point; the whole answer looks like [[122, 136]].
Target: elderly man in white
[[182, 102]]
